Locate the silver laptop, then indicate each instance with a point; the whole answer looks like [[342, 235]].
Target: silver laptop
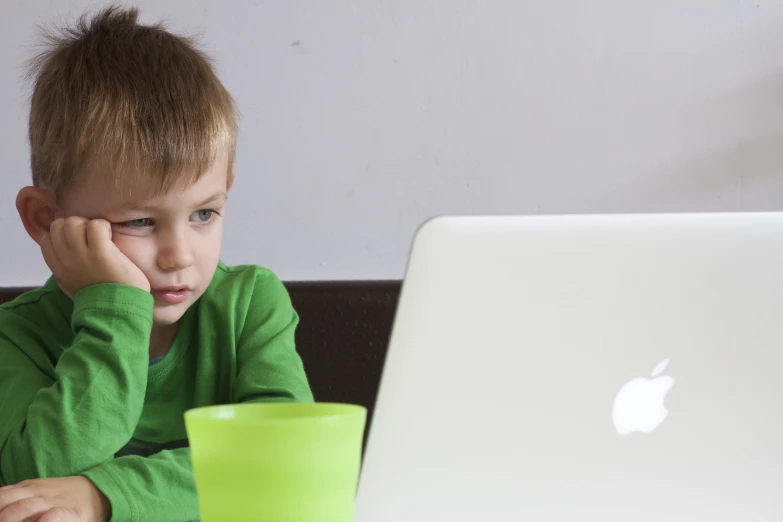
[[609, 368]]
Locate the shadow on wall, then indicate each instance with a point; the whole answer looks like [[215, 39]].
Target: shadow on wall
[[743, 174]]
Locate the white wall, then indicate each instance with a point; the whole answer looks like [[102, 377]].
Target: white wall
[[362, 118]]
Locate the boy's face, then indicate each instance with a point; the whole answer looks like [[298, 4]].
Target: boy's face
[[174, 238]]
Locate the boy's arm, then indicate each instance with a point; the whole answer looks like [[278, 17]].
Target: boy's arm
[[71, 422], [269, 368], [141, 489], [161, 487]]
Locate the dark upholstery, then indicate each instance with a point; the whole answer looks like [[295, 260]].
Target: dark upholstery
[[342, 337]]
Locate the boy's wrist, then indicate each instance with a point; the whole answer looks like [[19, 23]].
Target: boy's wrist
[[114, 296], [66, 498], [119, 500], [100, 503]]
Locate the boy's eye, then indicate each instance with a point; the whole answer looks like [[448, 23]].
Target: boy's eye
[[136, 223], [203, 216]]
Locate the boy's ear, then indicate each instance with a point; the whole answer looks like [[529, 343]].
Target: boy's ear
[[36, 207], [230, 179]]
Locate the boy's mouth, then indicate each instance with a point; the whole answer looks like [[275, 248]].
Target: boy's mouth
[[171, 295]]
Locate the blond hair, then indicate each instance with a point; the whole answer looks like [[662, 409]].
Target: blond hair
[[134, 99]]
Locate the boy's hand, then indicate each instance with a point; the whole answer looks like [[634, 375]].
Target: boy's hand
[[80, 253], [70, 499]]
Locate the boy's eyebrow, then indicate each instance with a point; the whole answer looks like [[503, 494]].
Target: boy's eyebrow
[[216, 199]]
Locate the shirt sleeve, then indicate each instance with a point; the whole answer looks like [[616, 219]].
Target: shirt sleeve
[[269, 367], [141, 489], [161, 487], [61, 424]]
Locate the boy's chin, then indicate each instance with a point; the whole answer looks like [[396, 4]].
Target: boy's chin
[[166, 316]]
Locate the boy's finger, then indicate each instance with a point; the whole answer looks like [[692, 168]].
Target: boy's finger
[[98, 233], [13, 503], [57, 233], [11, 494], [50, 253], [58, 515], [76, 233], [28, 509]]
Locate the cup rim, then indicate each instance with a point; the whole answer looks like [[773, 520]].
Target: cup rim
[[341, 410]]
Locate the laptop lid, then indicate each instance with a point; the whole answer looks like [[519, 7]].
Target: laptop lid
[[612, 368]]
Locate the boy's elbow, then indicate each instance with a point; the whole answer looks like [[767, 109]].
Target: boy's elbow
[[18, 462], [15, 467], [11, 472]]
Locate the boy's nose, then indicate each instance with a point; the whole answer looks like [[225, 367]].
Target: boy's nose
[[175, 254]]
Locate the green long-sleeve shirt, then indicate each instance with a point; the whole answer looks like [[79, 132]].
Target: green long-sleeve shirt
[[78, 395]]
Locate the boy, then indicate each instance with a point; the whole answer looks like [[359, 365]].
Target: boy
[[132, 148]]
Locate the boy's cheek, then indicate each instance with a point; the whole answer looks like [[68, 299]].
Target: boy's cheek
[[134, 248]]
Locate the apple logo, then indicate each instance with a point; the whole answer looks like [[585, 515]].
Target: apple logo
[[639, 405]]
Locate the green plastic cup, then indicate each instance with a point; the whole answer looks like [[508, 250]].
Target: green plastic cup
[[276, 462]]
